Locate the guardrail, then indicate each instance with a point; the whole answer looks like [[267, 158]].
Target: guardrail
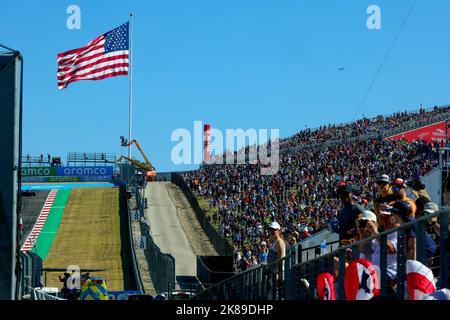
[[137, 275], [297, 281], [221, 244]]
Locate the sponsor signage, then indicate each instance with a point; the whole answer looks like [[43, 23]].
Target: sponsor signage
[[67, 171], [68, 179], [431, 133], [85, 171], [38, 171]]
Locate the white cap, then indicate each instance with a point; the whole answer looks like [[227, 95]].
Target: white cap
[[263, 243], [369, 215], [275, 225], [430, 207]]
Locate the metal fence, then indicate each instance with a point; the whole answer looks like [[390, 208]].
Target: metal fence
[[161, 265], [31, 274], [223, 247], [137, 275], [287, 279]]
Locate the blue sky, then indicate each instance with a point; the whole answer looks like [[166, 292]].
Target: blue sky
[[235, 64]]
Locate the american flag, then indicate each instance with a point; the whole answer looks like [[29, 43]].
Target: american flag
[[105, 56]]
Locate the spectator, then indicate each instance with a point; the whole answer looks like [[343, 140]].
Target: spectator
[[421, 202], [278, 248], [368, 227], [385, 196], [433, 224], [263, 253], [402, 213], [347, 216], [399, 190]]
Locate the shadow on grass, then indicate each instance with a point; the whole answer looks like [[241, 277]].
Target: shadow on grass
[[125, 251]]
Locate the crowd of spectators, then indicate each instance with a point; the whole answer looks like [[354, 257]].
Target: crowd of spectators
[[302, 196], [363, 126]]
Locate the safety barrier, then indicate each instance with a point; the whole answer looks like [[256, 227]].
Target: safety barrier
[[136, 272], [31, 273], [161, 265], [222, 246], [287, 279]]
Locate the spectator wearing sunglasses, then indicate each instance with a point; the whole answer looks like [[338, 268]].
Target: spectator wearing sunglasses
[[381, 203], [398, 187]]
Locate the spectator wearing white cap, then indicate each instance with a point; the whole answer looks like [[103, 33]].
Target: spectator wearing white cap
[[433, 224], [278, 248], [368, 227]]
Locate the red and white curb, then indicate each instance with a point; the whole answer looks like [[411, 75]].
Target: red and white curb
[[34, 234]]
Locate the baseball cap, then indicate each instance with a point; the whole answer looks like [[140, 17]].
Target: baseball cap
[[275, 226], [398, 182], [263, 243], [368, 215], [430, 207], [383, 178], [402, 208]]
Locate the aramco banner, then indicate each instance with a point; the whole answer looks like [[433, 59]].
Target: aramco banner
[[67, 179], [431, 133], [67, 171]]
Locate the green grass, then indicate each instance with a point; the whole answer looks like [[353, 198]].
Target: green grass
[[48, 233], [91, 235]]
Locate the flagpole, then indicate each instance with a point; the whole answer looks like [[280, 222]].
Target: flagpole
[[130, 25]]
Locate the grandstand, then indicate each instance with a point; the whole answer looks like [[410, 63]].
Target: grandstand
[[302, 197]]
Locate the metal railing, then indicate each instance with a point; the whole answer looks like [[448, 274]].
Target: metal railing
[[37, 294], [137, 275], [161, 265], [287, 279]]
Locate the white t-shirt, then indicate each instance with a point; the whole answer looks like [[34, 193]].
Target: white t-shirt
[[391, 257]]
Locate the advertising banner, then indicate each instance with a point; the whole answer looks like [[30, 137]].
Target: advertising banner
[[85, 171], [67, 179], [431, 133], [38, 171], [67, 171]]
